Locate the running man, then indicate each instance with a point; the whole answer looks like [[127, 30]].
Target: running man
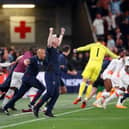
[[34, 65], [92, 70], [16, 79], [122, 87]]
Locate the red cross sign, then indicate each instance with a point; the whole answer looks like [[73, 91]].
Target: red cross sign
[[22, 29]]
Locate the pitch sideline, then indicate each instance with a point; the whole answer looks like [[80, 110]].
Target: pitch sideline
[[34, 120]]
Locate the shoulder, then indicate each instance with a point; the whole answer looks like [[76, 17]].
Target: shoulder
[[95, 21], [61, 57], [33, 59]]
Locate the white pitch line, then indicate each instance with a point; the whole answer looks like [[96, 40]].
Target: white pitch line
[[34, 120]]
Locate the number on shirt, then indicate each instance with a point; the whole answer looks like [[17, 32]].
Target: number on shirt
[[97, 54]]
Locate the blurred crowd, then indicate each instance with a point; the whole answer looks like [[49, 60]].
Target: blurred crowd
[[77, 61], [111, 21], [8, 55]]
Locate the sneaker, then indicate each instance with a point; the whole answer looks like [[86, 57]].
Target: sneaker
[[77, 100], [49, 114], [36, 112], [6, 111], [31, 106], [83, 104], [97, 105], [27, 110], [121, 106]]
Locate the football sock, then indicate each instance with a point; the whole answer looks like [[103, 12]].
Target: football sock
[[119, 100], [7, 97], [116, 94], [81, 89], [88, 91], [113, 96], [105, 94]]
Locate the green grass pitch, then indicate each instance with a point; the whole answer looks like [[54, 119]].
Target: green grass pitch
[[69, 116]]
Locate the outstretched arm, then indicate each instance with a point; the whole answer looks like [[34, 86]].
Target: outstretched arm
[[111, 54], [61, 36], [83, 48], [51, 29]]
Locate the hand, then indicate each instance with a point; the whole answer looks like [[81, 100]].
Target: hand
[[51, 29], [62, 31], [74, 50], [74, 72]]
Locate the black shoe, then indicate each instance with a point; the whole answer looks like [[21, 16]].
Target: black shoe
[[36, 112], [31, 106], [6, 111], [49, 114], [13, 108]]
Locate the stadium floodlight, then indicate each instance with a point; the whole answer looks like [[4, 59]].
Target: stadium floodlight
[[18, 6]]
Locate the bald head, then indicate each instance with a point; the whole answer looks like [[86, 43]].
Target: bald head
[[41, 53]]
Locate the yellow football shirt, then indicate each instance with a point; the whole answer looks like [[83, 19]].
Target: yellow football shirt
[[97, 52]]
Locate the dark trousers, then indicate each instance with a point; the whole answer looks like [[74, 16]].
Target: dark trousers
[[52, 82], [5, 86], [27, 83]]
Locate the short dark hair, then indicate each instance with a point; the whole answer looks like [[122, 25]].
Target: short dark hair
[[100, 38], [66, 48]]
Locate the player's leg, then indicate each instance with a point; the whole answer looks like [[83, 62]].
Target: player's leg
[[126, 95], [41, 88], [50, 88], [86, 74], [116, 94], [95, 73], [97, 83], [105, 93], [31, 94], [93, 92], [119, 104], [81, 90], [41, 101], [23, 89], [9, 95], [51, 103], [122, 99], [88, 91], [15, 84]]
